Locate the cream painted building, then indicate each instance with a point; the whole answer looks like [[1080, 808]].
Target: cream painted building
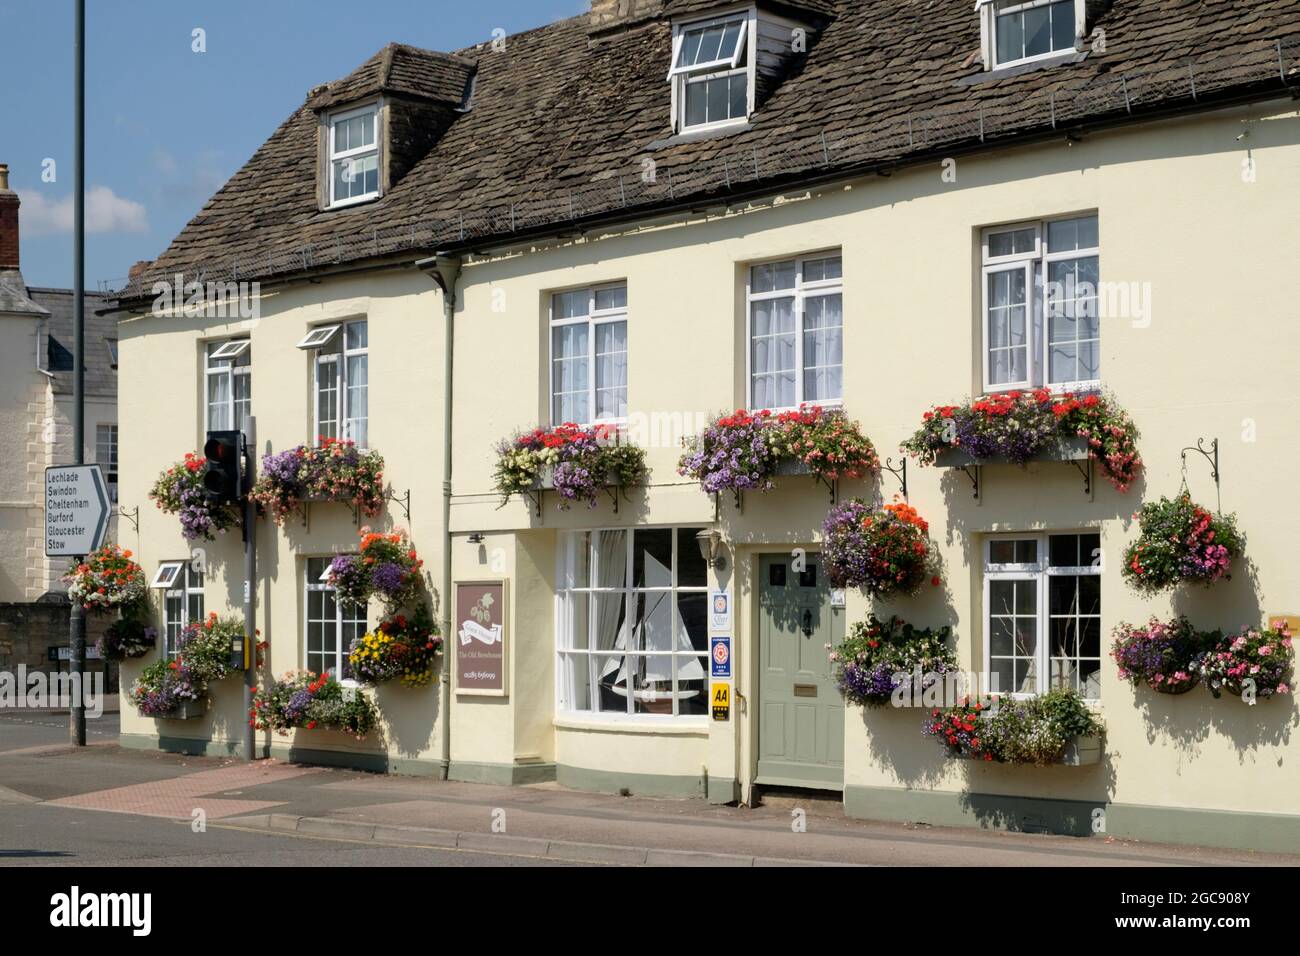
[[634, 286]]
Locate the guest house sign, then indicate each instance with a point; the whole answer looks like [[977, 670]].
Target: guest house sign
[[480, 638]]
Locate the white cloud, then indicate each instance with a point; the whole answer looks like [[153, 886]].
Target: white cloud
[[105, 212]]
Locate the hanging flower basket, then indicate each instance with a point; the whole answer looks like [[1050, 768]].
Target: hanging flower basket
[[745, 450], [1180, 542], [573, 461], [400, 648], [880, 660], [386, 567], [108, 579], [179, 490], [1254, 663], [130, 636], [1019, 427], [883, 552], [306, 701], [1163, 655], [1054, 728], [333, 471]]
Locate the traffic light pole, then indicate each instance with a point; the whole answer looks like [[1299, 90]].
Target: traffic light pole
[[250, 582]]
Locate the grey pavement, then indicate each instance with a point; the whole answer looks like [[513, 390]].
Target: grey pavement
[[285, 812]]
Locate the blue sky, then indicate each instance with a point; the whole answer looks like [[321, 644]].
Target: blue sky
[[166, 126]]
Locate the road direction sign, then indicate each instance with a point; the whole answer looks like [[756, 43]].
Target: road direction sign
[[76, 510]]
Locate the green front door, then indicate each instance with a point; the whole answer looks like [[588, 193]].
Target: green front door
[[801, 713]]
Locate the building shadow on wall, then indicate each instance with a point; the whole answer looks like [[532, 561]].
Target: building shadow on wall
[[1066, 816]]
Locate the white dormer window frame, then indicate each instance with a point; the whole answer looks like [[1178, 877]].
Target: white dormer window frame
[[361, 159], [994, 16], [736, 65]]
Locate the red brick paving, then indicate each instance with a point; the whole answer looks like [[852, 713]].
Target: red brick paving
[[178, 798]]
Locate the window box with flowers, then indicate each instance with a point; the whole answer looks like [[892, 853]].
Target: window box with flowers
[[179, 490], [177, 689], [885, 552], [307, 701], [575, 462], [1053, 728], [1179, 542], [1018, 427], [335, 470], [744, 451], [881, 660]]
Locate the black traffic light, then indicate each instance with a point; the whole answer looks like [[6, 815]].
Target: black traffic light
[[224, 477]]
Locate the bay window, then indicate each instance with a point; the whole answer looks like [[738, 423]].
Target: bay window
[[1042, 613], [632, 623], [229, 375], [796, 332], [331, 625], [589, 355], [1041, 305]]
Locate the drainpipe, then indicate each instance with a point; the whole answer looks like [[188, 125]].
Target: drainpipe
[[445, 270]]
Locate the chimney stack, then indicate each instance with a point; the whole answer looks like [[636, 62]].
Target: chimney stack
[[8, 222], [609, 14]]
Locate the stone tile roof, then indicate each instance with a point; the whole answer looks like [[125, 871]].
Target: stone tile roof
[[404, 70], [561, 124], [101, 375]]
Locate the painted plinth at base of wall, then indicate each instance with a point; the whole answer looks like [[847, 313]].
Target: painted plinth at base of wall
[[633, 784], [372, 762], [1193, 826]]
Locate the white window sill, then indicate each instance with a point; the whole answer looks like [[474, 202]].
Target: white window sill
[[640, 724], [354, 201]]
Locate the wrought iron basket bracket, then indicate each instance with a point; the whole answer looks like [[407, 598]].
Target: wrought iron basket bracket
[[740, 500], [832, 485], [613, 492], [132, 515], [973, 473], [899, 472], [1212, 456], [403, 501], [535, 496], [1084, 468]]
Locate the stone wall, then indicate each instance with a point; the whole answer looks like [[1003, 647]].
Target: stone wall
[[28, 631]]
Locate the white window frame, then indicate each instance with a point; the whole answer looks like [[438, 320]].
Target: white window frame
[[190, 592], [1035, 265], [319, 337], [106, 454], [322, 585], [988, 13], [801, 292], [568, 542], [360, 152], [743, 61], [166, 574], [594, 318], [215, 363], [1040, 572], [326, 354]]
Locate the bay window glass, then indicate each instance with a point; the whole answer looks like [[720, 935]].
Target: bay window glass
[[632, 626]]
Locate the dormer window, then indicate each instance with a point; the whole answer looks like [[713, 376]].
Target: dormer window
[[1026, 31], [712, 72], [354, 156]]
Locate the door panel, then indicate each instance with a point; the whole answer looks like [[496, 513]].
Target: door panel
[[801, 714]]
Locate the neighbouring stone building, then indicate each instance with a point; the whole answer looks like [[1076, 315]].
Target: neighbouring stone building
[[668, 209], [36, 340]]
